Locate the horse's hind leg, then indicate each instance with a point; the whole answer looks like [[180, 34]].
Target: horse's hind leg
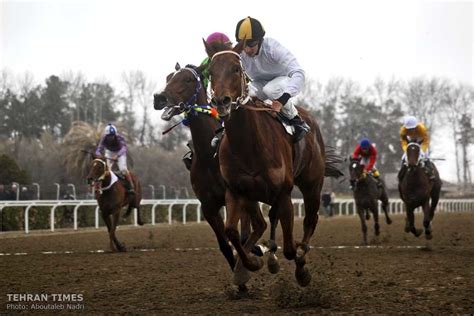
[[312, 198], [115, 220], [361, 213]]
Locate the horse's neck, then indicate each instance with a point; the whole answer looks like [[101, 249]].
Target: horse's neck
[[203, 128]]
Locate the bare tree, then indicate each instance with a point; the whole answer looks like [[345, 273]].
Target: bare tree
[[458, 108]]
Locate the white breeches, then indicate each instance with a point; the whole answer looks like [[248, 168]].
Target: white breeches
[[121, 161], [273, 90]]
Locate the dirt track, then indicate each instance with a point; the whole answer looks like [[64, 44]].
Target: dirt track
[[184, 272]]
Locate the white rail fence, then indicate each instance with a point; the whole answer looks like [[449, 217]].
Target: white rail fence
[[340, 207]]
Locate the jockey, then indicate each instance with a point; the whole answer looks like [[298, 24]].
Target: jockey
[[275, 72], [367, 152], [213, 38], [414, 131], [115, 149]]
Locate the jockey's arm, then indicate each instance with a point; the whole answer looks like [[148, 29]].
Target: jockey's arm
[[100, 148], [356, 153], [373, 158], [426, 138], [123, 149], [403, 139]]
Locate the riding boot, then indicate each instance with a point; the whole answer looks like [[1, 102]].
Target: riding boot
[[217, 139], [301, 128], [188, 159], [378, 181], [130, 185]]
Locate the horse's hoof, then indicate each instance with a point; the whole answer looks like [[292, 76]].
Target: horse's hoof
[[417, 232], [255, 263], [389, 221], [303, 276], [243, 289], [300, 261], [367, 217], [377, 232], [272, 264], [241, 274], [407, 229], [429, 236]]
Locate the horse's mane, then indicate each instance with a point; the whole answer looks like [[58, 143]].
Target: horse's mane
[[196, 68]]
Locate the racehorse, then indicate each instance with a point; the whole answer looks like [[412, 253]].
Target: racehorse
[[185, 93], [259, 162], [416, 189], [366, 196], [111, 195]]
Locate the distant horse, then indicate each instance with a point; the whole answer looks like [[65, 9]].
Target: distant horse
[[111, 195], [366, 196], [259, 162], [416, 189], [184, 93]]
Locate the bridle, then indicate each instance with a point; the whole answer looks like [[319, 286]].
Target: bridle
[[244, 97], [104, 174]]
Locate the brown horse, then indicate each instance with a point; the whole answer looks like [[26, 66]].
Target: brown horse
[[259, 162], [184, 93], [366, 196], [416, 189], [111, 195]]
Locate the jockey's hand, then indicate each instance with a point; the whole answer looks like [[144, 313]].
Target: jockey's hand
[[364, 174], [115, 157], [276, 105]]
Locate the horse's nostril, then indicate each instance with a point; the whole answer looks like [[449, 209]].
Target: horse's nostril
[[227, 100], [213, 101], [159, 101]]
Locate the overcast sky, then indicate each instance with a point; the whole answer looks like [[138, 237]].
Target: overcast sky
[[353, 39]]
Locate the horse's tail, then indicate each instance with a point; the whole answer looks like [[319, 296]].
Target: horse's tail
[[333, 161]]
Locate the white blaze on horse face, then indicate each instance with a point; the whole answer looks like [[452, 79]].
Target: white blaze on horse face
[[354, 165]]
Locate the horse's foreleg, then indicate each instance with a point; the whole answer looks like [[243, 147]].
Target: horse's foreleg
[[384, 200], [108, 223], [272, 262], [214, 218], [410, 225], [427, 220], [360, 212], [235, 206], [115, 221], [285, 214], [375, 211]]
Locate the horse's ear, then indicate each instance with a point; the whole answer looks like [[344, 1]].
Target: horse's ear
[[239, 47], [209, 50], [177, 66], [201, 68]]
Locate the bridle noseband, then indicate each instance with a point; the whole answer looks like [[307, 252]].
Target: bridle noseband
[[103, 175]]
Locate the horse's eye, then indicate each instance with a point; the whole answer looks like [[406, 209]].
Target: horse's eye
[[188, 80], [236, 69]]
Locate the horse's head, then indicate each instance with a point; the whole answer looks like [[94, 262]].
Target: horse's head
[[184, 88], [413, 154], [356, 169], [228, 80], [97, 171]]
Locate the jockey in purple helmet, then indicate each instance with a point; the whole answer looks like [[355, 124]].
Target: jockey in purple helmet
[[113, 146]]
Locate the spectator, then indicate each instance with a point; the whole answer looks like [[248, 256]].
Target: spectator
[[327, 203]]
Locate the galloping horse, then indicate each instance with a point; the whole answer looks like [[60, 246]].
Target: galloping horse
[[259, 162], [416, 189], [366, 196], [111, 195], [184, 93]]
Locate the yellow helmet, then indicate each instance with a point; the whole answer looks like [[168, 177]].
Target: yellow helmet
[[249, 29]]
